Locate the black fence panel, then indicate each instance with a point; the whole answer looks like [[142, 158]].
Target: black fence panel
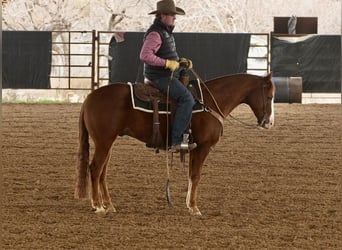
[[124, 63], [26, 61], [316, 59]]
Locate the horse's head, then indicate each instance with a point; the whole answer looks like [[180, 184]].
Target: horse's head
[[261, 101]]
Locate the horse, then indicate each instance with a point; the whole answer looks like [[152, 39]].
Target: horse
[[107, 113]]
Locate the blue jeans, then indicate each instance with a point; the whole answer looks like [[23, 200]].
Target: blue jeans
[[185, 103]]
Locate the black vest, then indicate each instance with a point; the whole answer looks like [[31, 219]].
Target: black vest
[[167, 50]]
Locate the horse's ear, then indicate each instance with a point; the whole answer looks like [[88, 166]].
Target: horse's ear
[[269, 76]]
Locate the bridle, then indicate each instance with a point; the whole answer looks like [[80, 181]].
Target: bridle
[[264, 118]]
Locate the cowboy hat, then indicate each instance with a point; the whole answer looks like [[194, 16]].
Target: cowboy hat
[[167, 7]]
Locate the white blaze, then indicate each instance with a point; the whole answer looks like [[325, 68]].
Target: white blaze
[[272, 114], [188, 195]]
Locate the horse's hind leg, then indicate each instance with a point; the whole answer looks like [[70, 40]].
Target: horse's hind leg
[[96, 168], [106, 200]]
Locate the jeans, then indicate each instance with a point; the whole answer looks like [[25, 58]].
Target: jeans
[[185, 103]]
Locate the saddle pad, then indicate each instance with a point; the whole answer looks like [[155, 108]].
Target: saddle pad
[[148, 107]]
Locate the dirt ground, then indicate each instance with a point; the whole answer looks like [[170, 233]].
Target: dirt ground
[[260, 189]]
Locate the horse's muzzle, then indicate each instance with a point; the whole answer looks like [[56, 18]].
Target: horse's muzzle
[[266, 123]]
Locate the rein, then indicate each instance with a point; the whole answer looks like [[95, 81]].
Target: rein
[[218, 115], [168, 192], [211, 95]]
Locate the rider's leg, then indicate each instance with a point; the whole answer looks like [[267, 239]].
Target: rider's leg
[[185, 103]]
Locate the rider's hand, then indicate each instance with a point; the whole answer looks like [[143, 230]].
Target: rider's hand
[[186, 63], [172, 65]]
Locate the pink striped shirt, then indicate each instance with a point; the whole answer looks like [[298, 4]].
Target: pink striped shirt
[[149, 49]]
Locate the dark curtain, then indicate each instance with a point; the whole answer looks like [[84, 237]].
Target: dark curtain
[[26, 61], [316, 59], [124, 63], [213, 54]]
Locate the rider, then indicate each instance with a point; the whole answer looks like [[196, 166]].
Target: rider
[[161, 66]]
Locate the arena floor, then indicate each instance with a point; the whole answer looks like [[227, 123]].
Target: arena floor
[[260, 189]]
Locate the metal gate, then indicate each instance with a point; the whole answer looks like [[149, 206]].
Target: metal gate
[[73, 60]]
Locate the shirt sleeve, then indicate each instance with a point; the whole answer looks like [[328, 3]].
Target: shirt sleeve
[[150, 48]]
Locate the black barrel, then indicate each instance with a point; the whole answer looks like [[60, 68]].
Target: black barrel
[[288, 89]]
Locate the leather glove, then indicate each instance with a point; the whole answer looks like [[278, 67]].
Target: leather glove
[[186, 63], [172, 65]]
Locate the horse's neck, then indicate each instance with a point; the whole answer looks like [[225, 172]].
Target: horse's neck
[[228, 95]]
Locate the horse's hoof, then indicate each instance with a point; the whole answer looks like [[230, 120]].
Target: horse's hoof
[[108, 206], [195, 212], [110, 209], [100, 210]]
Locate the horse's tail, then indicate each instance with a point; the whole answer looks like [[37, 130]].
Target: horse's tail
[[82, 171]]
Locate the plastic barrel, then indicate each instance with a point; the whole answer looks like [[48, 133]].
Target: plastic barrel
[[288, 89]]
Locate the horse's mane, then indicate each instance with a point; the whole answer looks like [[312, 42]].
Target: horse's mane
[[233, 79], [232, 76]]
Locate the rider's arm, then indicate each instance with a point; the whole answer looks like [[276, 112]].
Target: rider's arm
[[149, 49]]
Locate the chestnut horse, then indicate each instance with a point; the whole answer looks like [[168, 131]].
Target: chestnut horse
[[107, 112]]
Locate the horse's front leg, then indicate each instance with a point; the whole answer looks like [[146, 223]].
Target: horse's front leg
[[197, 157]]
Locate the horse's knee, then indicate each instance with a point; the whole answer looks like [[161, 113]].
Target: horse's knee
[[195, 178]]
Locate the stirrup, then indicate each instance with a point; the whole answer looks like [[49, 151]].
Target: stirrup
[[182, 147]]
